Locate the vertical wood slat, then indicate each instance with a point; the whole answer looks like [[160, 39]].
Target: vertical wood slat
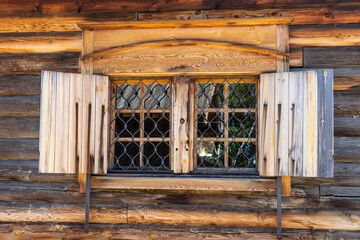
[[113, 113], [226, 119], [281, 123], [266, 129], [142, 124], [45, 126], [296, 98], [181, 121], [325, 123], [310, 125]]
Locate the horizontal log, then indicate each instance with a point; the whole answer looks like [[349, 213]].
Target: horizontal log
[[301, 15], [125, 231], [174, 215], [347, 181], [183, 183], [340, 202], [21, 148], [347, 126], [332, 57], [36, 62], [19, 127], [20, 85], [42, 212], [68, 7], [340, 191], [26, 6], [41, 42], [345, 104], [324, 35], [296, 57], [20, 107], [347, 79], [347, 149], [347, 169]]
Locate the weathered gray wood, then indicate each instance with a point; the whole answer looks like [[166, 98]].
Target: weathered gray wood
[[19, 148], [347, 169], [20, 85], [330, 57], [19, 127], [340, 202], [347, 149], [347, 126], [19, 106], [325, 112], [347, 79], [342, 191], [345, 105], [35, 63]]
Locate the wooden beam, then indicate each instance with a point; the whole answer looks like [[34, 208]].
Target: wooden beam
[[302, 15], [344, 104], [329, 57], [346, 149], [195, 184], [19, 106], [347, 126], [35, 63], [25, 149], [19, 127], [96, 6], [20, 85], [347, 79]]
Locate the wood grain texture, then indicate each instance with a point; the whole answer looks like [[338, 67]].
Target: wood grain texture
[[19, 127], [66, 7], [24, 149], [35, 63], [196, 184], [325, 35], [344, 104], [347, 169], [348, 126], [19, 107], [40, 42], [329, 57], [347, 79], [61, 213], [20, 85], [346, 149], [301, 15]]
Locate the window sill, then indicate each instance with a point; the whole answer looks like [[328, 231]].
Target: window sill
[[184, 183]]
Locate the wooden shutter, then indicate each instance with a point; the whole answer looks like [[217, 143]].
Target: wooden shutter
[[68, 103], [295, 136]]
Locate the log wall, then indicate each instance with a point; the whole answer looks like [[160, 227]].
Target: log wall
[[37, 35]]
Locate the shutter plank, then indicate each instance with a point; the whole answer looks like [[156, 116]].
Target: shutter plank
[[267, 141], [310, 125], [325, 123], [281, 123], [45, 126], [296, 98], [101, 123], [51, 160]]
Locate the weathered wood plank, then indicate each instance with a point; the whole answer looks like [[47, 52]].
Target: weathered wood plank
[[329, 57], [301, 15], [347, 126], [19, 106], [20, 85], [325, 35], [36, 62], [340, 202], [340, 191], [344, 104], [68, 7], [347, 169], [23, 7], [347, 79], [19, 148], [347, 149], [19, 127], [196, 184], [61, 213], [58, 42]]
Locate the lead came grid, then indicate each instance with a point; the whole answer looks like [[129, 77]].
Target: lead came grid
[[140, 125], [225, 124]]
